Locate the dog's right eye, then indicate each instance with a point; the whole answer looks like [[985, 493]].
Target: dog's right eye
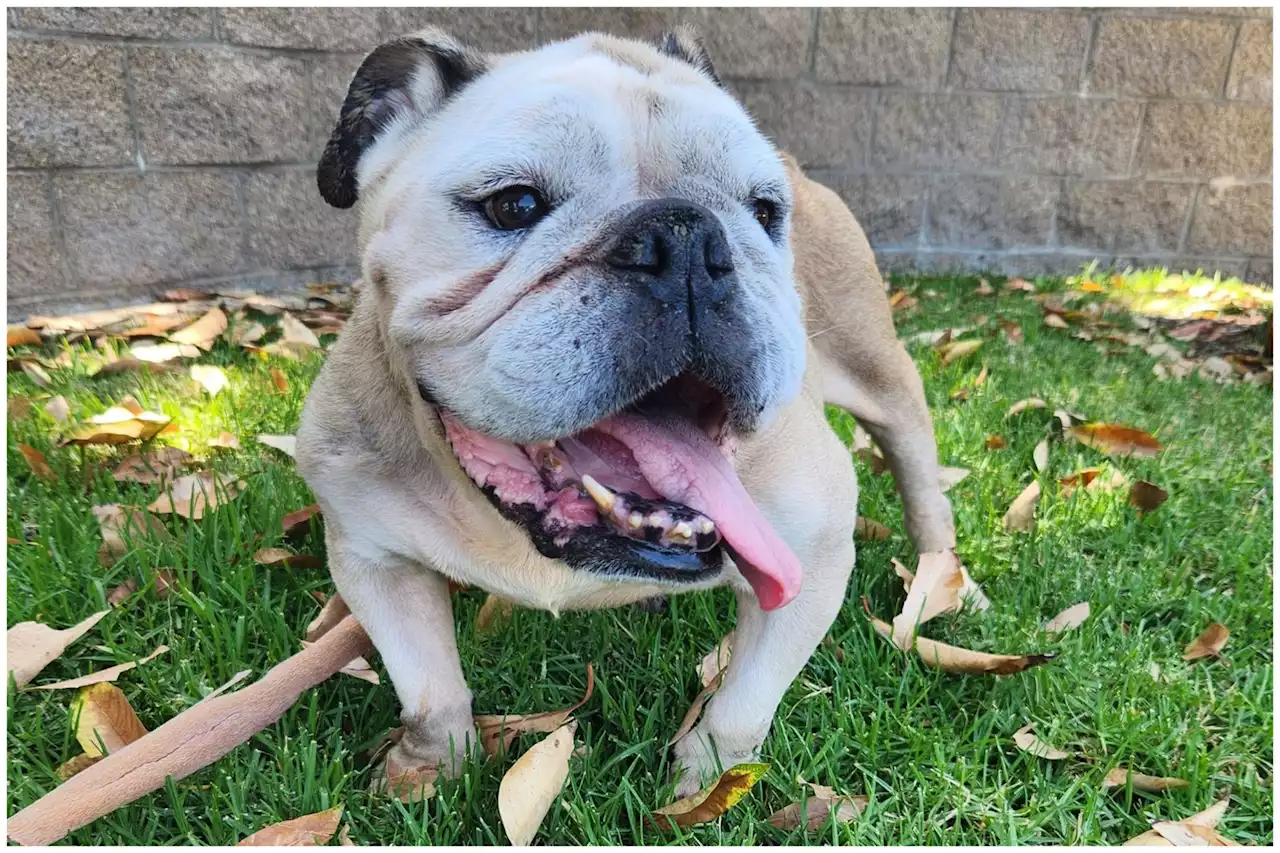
[[516, 208]]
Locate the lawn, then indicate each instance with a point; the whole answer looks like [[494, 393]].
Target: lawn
[[932, 751]]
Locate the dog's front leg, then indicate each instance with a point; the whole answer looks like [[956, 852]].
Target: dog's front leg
[[406, 610]]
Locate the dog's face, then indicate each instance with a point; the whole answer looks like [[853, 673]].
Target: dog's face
[[582, 254]]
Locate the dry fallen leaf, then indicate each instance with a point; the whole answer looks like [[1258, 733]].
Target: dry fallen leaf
[[296, 333], [984, 288], [971, 594], [1028, 742], [713, 800], [19, 335], [948, 477], [298, 522], [1121, 776], [494, 614], [1115, 440], [866, 528], [191, 495], [279, 380], [1021, 517], [313, 830], [935, 589], [695, 709], [58, 408], [119, 425], [36, 462], [357, 668], [105, 722], [714, 661], [1053, 321], [1147, 497], [532, 784], [83, 761], [155, 466], [35, 372], [1208, 644], [244, 336], [203, 332], [116, 521], [227, 440], [954, 659], [1040, 456], [31, 646], [333, 612], [102, 675], [1073, 617], [19, 407], [1023, 405], [956, 350], [284, 557], [410, 785], [286, 444], [817, 809], [121, 593], [155, 355], [1020, 284], [1199, 830], [223, 688], [994, 442], [498, 730], [211, 378]]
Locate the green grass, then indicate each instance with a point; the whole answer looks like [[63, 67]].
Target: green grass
[[933, 751]]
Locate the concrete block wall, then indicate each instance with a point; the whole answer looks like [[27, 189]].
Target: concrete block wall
[[159, 147]]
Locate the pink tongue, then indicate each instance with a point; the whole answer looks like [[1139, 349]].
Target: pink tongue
[[683, 464]]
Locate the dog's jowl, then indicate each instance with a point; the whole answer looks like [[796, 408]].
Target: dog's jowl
[[600, 318]]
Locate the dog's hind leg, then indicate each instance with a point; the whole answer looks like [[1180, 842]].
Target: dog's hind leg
[[406, 610], [804, 483]]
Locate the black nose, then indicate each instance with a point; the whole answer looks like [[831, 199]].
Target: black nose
[[678, 250]]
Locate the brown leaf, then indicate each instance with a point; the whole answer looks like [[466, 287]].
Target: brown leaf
[[58, 409], [157, 354], [247, 335], [948, 477], [296, 333], [19, 407], [1021, 517], [35, 372], [298, 522], [36, 462], [165, 583], [1023, 405], [994, 442], [934, 590], [279, 380], [83, 761], [953, 659], [155, 466], [134, 365], [357, 668], [105, 722], [313, 830], [413, 785], [1020, 284], [1012, 331], [203, 332], [956, 350], [1199, 830], [227, 440], [532, 784], [712, 801], [191, 495], [1121, 776], [1028, 742], [903, 573], [284, 557], [714, 661], [1073, 617], [1115, 440], [866, 528], [223, 688], [494, 614], [1147, 497], [817, 809], [1208, 644], [1040, 456], [31, 646], [120, 425], [211, 378], [984, 288], [500, 730], [121, 593], [109, 674], [114, 521], [695, 709], [333, 612], [1054, 321], [286, 444], [20, 336]]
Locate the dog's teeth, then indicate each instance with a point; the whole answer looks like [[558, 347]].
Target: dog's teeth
[[601, 495], [683, 531], [636, 520], [706, 525], [657, 520]]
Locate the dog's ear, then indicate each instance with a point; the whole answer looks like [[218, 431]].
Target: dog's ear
[[405, 77], [683, 43]]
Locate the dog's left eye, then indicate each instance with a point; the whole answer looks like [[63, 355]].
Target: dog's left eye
[[765, 212], [516, 208]]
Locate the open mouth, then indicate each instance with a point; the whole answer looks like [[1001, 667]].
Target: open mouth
[[649, 491]]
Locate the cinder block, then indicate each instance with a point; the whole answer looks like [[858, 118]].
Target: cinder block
[[943, 131], [311, 27], [220, 106], [891, 261], [1250, 78], [1132, 217], [67, 105], [35, 264], [818, 125], [756, 43], [1162, 57], [155, 22], [1231, 221], [1259, 271], [290, 225], [1206, 141], [1069, 136], [888, 207], [991, 213], [1019, 50], [131, 229], [498, 30], [884, 47]]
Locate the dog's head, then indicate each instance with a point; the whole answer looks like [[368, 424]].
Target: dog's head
[[582, 255]]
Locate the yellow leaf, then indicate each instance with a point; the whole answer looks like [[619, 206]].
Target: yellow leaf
[[32, 646], [712, 801], [1208, 644], [531, 785], [105, 722], [313, 830]]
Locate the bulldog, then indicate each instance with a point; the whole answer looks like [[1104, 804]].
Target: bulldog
[[600, 321]]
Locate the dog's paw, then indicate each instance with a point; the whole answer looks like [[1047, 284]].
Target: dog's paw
[[416, 759], [657, 604], [698, 764]]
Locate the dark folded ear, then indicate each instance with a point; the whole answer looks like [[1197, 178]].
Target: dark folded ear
[[683, 43], [405, 77]]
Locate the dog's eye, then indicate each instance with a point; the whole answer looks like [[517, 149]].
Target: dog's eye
[[516, 208], [765, 212]]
